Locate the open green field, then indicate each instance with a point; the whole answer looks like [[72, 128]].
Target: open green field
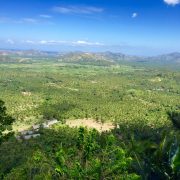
[[44, 89]]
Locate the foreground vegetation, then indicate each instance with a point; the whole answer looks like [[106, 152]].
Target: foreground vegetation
[[78, 153], [142, 103]]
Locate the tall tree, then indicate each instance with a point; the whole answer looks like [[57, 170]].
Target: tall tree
[[5, 122]]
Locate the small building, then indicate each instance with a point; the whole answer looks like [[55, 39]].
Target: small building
[[27, 137], [26, 132]]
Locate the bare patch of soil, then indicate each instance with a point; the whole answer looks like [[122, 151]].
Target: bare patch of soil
[[90, 123]]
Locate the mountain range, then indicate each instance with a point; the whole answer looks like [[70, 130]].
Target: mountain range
[[99, 58]]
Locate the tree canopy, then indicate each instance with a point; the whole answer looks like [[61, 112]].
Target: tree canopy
[[5, 122]]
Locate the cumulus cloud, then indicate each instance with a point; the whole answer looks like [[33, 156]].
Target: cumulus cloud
[[134, 15], [77, 9], [172, 2]]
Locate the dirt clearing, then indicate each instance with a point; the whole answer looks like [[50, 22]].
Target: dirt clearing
[[90, 123]]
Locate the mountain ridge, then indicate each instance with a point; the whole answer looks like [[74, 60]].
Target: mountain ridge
[[104, 58]]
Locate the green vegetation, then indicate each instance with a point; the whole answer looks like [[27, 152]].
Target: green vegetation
[[143, 103], [5, 123]]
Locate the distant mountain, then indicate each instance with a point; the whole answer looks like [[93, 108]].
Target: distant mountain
[[166, 58], [99, 58], [27, 53], [86, 58], [108, 58], [104, 58]]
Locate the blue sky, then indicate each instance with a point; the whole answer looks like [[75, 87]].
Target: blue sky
[[142, 27]]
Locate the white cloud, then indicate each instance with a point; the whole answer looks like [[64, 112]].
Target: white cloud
[[172, 2], [44, 42], [10, 41], [51, 42], [29, 42], [43, 19], [45, 16], [134, 15], [34, 21], [67, 43], [18, 21], [80, 42], [77, 9]]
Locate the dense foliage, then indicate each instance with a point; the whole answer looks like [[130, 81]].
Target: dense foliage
[[66, 153], [5, 123]]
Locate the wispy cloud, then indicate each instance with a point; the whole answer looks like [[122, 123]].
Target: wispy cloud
[[87, 43], [45, 16], [10, 41], [51, 42], [77, 9], [28, 42], [60, 42], [26, 20], [30, 20], [134, 15], [18, 21], [172, 2]]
